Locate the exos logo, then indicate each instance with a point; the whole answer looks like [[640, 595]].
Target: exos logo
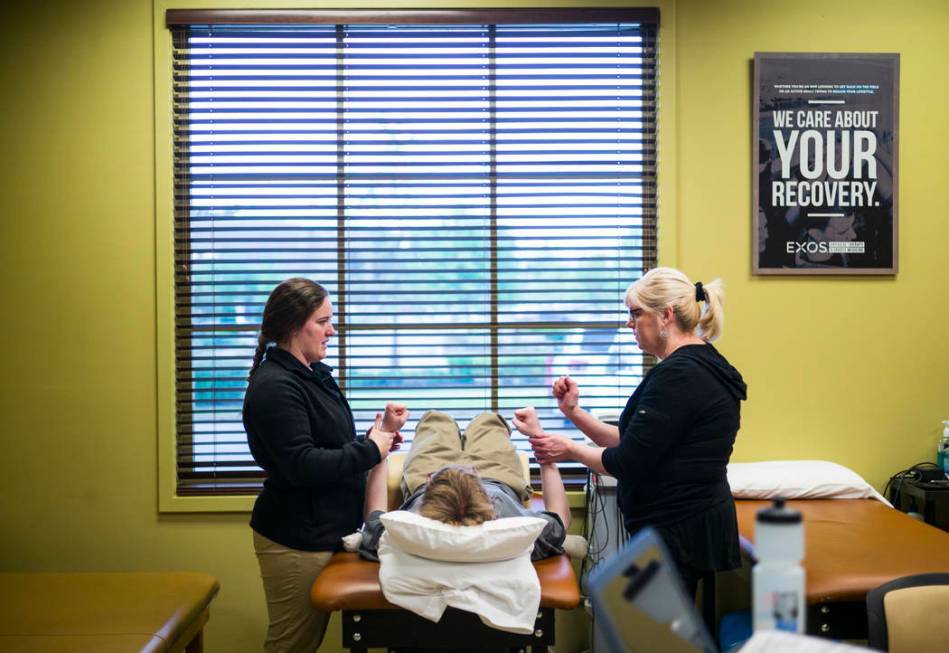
[[808, 246]]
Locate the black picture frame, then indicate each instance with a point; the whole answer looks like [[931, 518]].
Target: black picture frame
[[825, 149]]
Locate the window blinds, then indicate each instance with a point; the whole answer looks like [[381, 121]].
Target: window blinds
[[475, 195]]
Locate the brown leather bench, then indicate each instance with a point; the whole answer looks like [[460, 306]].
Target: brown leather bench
[[852, 546], [104, 612], [351, 585]]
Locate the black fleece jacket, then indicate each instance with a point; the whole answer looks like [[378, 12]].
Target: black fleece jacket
[[301, 432], [676, 436]]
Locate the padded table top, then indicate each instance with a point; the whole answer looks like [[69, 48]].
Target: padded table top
[[854, 545], [351, 583], [121, 611]]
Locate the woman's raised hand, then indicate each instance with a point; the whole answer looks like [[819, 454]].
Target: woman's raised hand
[[395, 417], [567, 393], [525, 420]]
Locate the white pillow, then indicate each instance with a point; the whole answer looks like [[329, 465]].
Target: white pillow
[[494, 540], [798, 479]]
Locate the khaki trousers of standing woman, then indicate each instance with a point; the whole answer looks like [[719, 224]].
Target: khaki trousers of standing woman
[[485, 446], [287, 575]]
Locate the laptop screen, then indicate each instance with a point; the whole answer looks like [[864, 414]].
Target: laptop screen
[[640, 603]]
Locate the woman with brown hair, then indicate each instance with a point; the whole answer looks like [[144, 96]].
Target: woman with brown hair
[[301, 432]]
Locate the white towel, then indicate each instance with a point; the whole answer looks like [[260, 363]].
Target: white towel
[[504, 594]]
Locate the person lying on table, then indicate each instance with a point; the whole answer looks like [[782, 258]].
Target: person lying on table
[[467, 480]]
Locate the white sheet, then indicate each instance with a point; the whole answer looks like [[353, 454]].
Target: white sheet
[[504, 594]]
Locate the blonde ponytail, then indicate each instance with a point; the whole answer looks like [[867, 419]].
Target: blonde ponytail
[[713, 317], [663, 288]]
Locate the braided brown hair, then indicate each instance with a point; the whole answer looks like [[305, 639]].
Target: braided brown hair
[[286, 311]]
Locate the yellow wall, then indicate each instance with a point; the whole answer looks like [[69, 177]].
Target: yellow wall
[[854, 370]]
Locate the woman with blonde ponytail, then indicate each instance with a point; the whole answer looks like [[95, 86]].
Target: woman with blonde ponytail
[[676, 434], [301, 432]]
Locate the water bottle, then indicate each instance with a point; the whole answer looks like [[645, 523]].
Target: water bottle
[[777, 580], [942, 451]]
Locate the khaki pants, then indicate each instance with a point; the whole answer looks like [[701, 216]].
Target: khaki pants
[[485, 446], [287, 575]]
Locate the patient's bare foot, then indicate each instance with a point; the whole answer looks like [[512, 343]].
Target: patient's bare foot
[[525, 421]]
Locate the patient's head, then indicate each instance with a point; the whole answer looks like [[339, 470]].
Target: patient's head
[[454, 495]]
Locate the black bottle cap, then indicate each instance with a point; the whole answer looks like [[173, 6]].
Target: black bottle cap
[[779, 514]]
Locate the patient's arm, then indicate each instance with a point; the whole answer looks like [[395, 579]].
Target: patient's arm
[[376, 491], [604, 435], [555, 495]]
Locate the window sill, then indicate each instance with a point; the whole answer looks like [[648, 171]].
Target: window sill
[[180, 504]]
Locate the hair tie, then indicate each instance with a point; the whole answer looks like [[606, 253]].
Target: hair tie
[[699, 292]]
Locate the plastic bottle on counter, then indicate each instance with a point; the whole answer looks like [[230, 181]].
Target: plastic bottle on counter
[[942, 450], [777, 580]]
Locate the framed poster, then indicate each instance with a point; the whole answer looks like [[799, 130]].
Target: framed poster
[[825, 152]]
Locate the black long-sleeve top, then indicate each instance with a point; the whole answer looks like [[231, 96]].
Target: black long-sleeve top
[[301, 432], [676, 436]]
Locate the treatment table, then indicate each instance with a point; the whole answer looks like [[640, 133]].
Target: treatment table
[[850, 547], [351, 585]]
